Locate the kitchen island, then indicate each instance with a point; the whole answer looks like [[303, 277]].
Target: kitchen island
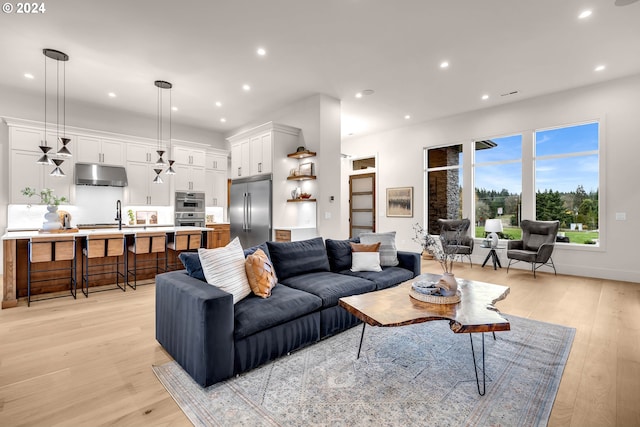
[[15, 250]]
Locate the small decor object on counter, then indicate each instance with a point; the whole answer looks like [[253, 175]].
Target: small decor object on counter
[[52, 201], [433, 246], [132, 218]]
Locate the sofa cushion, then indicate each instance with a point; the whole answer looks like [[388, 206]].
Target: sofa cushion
[[191, 261], [260, 273], [389, 276], [295, 258], [339, 253], [365, 261], [252, 249], [329, 286], [388, 251], [224, 268], [254, 314]]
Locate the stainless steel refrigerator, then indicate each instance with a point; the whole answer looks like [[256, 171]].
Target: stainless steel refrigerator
[[250, 210]]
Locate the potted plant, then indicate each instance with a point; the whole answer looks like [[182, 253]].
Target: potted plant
[[52, 201], [132, 219]]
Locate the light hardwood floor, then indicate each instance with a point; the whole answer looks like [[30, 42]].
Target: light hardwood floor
[[88, 362]]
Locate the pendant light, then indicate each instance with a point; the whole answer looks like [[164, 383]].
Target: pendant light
[[61, 139], [161, 163]]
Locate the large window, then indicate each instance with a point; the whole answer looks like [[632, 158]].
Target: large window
[[498, 183], [545, 174], [567, 177], [444, 184]]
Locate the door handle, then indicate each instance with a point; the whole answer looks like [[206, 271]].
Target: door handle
[[248, 211], [260, 167]]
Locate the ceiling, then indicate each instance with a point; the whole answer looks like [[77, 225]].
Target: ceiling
[[207, 49]]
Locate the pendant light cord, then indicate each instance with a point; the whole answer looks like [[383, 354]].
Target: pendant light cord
[[45, 100]]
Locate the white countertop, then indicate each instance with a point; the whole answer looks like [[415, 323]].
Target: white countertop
[[26, 234]]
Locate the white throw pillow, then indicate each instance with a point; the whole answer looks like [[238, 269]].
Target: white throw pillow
[[365, 261], [388, 251], [224, 268]]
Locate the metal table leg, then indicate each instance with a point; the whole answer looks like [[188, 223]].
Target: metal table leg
[[475, 366], [364, 324]]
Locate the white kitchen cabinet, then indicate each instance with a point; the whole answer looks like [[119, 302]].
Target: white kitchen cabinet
[[141, 189], [189, 167], [261, 154], [99, 150], [25, 172], [189, 178], [216, 189], [252, 151], [189, 156], [241, 159], [142, 153], [216, 161]]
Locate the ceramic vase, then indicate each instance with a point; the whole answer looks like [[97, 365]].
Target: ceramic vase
[[52, 219], [448, 285]]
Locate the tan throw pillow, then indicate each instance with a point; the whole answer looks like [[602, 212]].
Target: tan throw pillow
[[361, 247], [260, 272]]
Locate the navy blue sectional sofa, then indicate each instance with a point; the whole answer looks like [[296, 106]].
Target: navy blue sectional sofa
[[213, 339]]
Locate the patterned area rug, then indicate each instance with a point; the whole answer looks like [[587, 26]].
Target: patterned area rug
[[418, 375]]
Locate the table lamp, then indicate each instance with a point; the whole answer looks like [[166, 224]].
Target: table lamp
[[493, 226]]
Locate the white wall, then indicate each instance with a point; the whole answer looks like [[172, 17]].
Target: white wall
[[616, 104]]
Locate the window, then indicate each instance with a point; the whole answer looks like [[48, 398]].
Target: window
[[498, 183], [444, 184], [567, 180]]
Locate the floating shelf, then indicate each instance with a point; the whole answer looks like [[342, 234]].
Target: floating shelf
[[300, 177], [302, 154], [300, 200]]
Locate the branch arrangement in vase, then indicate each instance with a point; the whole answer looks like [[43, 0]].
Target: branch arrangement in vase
[[46, 196]]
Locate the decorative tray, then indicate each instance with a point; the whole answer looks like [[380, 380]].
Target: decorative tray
[[426, 291], [435, 298]]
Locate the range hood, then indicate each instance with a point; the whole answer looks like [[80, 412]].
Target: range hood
[[95, 174]]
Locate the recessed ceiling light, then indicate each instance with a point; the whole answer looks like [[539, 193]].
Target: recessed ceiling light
[[261, 51], [407, 117], [624, 2], [218, 104], [28, 76], [223, 120], [368, 92], [246, 87], [359, 95], [444, 64], [585, 14], [600, 68], [112, 95], [485, 97], [174, 108]]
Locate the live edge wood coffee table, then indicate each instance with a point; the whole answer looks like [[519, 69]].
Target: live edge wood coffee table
[[475, 313]]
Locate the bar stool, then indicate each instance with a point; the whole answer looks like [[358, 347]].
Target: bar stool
[[104, 246], [146, 242], [51, 249], [183, 240]]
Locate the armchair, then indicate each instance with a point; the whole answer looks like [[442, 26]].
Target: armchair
[[536, 246], [454, 237]]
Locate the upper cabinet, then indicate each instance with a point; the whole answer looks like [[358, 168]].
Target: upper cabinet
[[24, 171], [143, 153], [189, 167], [189, 156], [216, 161], [99, 150], [252, 151]]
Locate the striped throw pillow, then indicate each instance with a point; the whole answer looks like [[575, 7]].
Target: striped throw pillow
[[224, 268], [388, 251]]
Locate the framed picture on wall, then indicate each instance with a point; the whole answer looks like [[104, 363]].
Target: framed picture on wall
[[400, 202]]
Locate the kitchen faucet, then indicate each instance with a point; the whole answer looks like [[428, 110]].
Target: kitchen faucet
[[119, 214]]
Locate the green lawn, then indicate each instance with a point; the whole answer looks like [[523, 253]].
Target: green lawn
[[514, 233]]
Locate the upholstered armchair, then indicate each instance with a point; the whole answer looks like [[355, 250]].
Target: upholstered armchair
[[536, 246], [455, 238]]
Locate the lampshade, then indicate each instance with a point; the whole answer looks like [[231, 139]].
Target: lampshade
[[493, 226]]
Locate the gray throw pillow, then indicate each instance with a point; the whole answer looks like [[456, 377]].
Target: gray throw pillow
[[388, 251]]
